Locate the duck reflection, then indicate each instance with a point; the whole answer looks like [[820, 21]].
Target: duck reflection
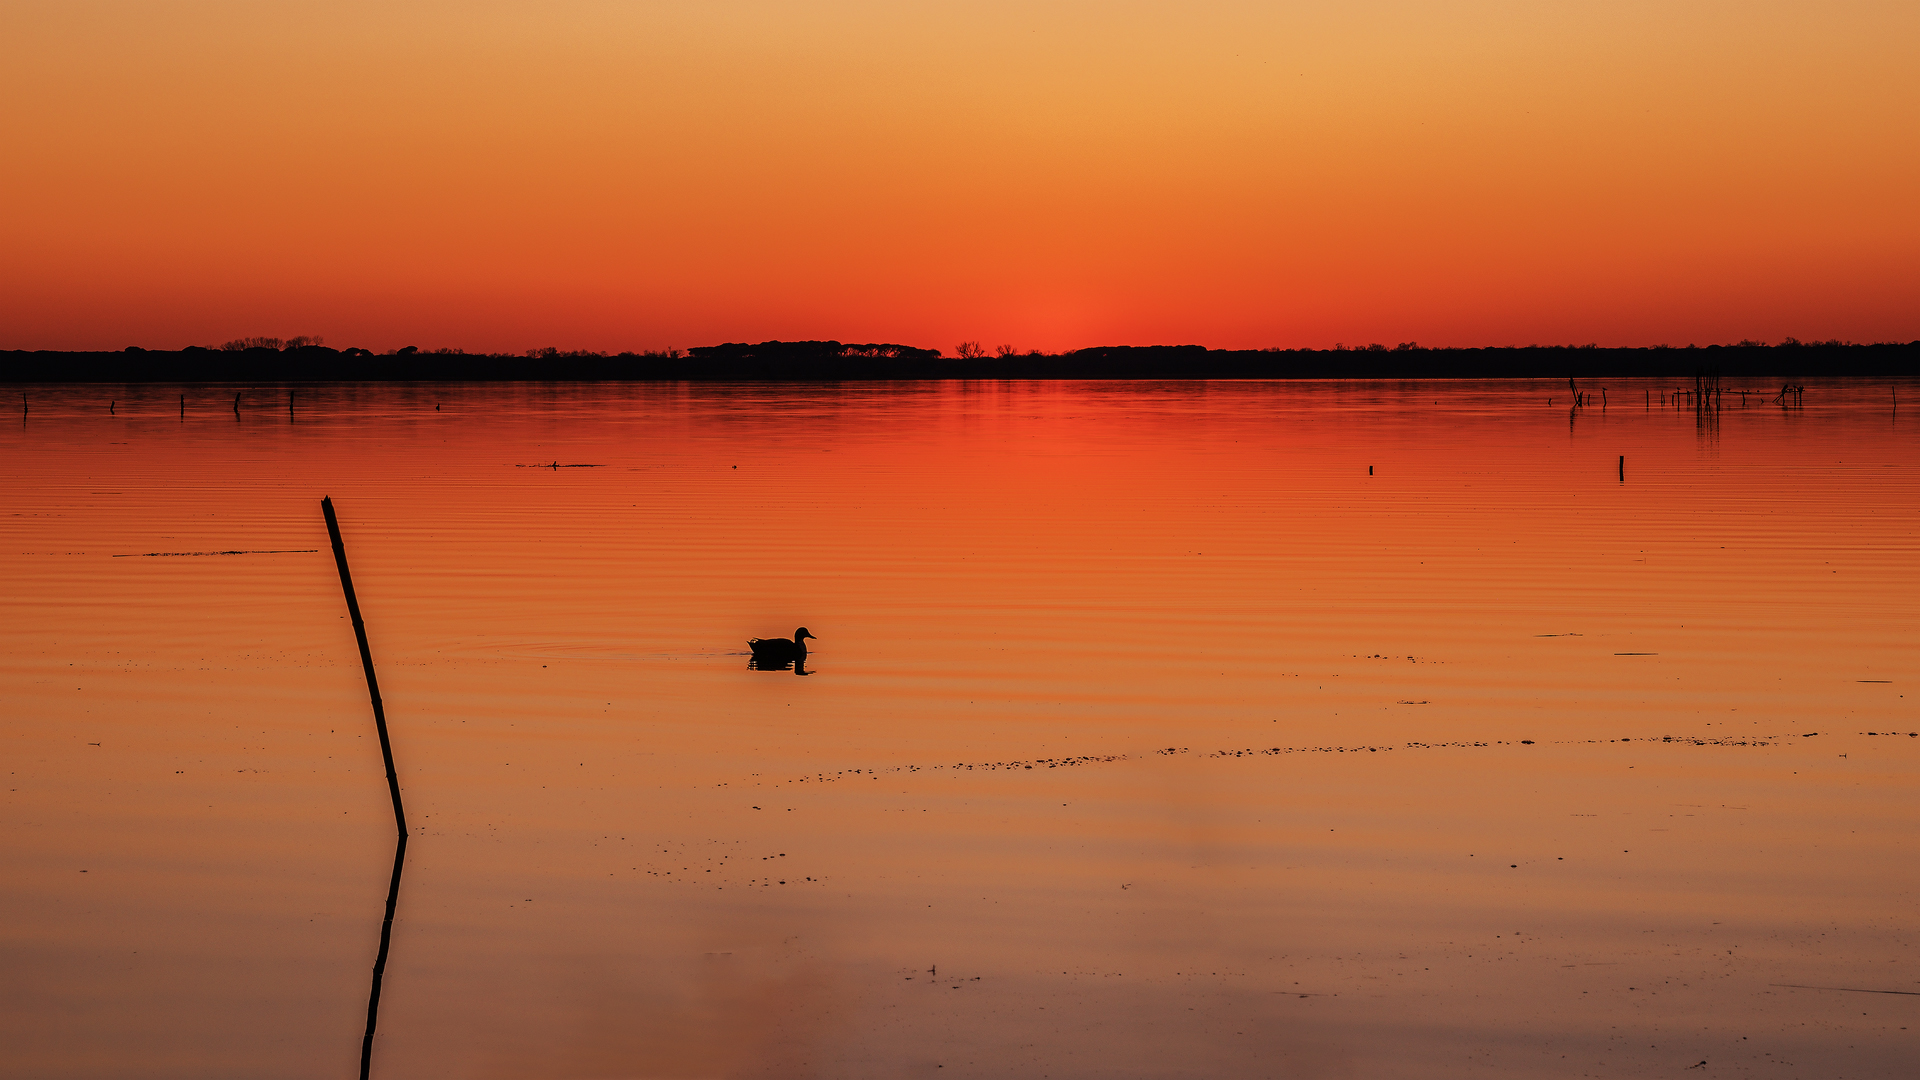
[[798, 667]]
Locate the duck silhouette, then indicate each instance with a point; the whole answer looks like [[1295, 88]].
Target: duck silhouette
[[781, 650]]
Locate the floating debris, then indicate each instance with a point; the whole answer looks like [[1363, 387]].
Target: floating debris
[[1274, 751], [177, 554]]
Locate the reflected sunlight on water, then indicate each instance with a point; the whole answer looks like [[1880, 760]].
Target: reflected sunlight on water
[[1148, 734]]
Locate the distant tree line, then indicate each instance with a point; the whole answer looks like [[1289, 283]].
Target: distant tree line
[[305, 358]]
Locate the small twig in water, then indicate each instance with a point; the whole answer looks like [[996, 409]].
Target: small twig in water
[[1847, 989]]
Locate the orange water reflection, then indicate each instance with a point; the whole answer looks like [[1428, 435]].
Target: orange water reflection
[[1420, 815]]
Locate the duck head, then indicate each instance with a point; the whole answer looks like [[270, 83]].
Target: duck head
[[801, 635]]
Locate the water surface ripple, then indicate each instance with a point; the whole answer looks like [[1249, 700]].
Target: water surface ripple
[[1153, 730]]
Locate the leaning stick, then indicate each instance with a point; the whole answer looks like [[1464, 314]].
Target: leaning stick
[[366, 661]]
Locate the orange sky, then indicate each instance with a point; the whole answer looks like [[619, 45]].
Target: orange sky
[[1052, 175]]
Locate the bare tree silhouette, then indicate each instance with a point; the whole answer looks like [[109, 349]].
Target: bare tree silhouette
[[299, 341]]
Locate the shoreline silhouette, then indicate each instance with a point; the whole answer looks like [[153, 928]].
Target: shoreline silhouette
[[833, 361]]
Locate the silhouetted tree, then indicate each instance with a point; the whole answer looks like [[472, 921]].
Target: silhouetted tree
[[969, 350]]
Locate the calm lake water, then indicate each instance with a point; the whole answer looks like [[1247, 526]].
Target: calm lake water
[[1153, 730]]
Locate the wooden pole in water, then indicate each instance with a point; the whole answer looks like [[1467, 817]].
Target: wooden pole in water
[[366, 661], [1623, 468], [183, 406], [393, 784], [236, 404]]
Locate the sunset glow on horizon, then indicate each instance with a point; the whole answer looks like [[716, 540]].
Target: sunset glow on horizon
[[498, 177]]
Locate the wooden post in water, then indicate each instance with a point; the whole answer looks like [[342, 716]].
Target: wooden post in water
[[236, 404], [366, 660], [183, 406], [393, 785], [1623, 468]]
